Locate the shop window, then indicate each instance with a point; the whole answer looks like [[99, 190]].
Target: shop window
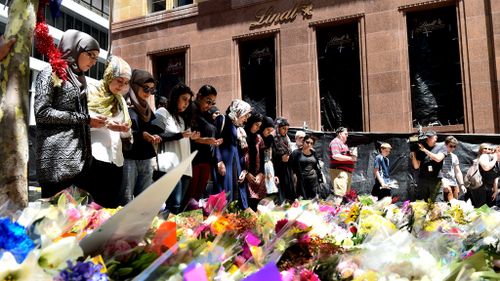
[[339, 77], [258, 74], [182, 3], [169, 70], [158, 5], [435, 74]]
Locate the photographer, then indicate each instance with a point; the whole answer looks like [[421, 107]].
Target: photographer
[[428, 160]]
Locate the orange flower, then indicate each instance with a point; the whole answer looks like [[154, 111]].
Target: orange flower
[[165, 237], [221, 225]]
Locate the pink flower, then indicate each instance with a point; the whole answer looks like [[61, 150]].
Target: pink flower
[[73, 214], [308, 275], [216, 203]]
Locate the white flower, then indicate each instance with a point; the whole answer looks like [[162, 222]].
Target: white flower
[[27, 271], [55, 255]]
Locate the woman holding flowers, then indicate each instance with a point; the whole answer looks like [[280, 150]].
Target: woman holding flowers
[[107, 165], [62, 117]]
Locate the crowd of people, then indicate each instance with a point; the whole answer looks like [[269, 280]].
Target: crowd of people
[[107, 140]]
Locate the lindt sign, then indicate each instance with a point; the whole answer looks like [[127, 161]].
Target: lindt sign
[[269, 16]]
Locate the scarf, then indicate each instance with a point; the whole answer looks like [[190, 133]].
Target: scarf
[[138, 79], [72, 44], [103, 101], [237, 109]]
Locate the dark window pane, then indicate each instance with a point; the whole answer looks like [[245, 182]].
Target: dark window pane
[[169, 70], [86, 28], [103, 40], [78, 25], [258, 71], [435, 73], [185, 2], [95, 34], [69, 22], [158, 5], [339, 77]]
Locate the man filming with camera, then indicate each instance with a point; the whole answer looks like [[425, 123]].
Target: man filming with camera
[[428, 160]]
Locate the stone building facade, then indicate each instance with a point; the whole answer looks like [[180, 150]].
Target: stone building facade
[[374, 66]]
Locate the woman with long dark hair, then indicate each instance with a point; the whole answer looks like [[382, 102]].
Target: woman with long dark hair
[[175, 146]]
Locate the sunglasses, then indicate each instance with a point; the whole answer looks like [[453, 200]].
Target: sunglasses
[[149, 90], [452, 146], [309, 142]]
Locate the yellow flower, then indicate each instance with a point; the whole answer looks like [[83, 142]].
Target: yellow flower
[[353, 214], [367, 276], [372, 223]]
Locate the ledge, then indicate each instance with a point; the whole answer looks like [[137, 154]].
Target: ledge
[[155, 18]]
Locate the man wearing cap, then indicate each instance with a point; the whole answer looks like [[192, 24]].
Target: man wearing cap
[[341, 164], [428, 160]]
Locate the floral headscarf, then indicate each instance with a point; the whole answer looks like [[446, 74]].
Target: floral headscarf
[[103, 101], [237, 109]]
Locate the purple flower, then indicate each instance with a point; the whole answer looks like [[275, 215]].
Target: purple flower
[[82, 271], [13, 238]]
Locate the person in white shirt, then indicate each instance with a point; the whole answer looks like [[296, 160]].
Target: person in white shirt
[[175, 120], [106, 100]]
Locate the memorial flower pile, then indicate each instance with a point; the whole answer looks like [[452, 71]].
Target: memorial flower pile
[[362, 239]]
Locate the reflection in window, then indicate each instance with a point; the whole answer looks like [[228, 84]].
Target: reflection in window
[[258, 74], [339, 77], [435, 74], [169, 70]]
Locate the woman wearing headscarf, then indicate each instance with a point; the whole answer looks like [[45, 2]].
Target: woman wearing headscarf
[[62, 117], [106, 170], [229, 128], [137, 168], [282, 152], [253, 161]]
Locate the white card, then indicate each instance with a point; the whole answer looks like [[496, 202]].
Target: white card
[[133, 221]]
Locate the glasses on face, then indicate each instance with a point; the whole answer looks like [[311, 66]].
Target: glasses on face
[[210, 102], [92, 56], [309, 142], [149, 90], [452, 146]]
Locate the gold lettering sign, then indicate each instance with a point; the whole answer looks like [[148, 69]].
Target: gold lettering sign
[[269, 16]]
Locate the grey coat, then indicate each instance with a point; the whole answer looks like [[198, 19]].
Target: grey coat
[[63, 130], [62, 116]]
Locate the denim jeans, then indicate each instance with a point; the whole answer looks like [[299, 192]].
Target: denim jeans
[[175, 200], [137, 176]]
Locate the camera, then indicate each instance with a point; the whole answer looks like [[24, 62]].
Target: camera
[[414, 140]]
